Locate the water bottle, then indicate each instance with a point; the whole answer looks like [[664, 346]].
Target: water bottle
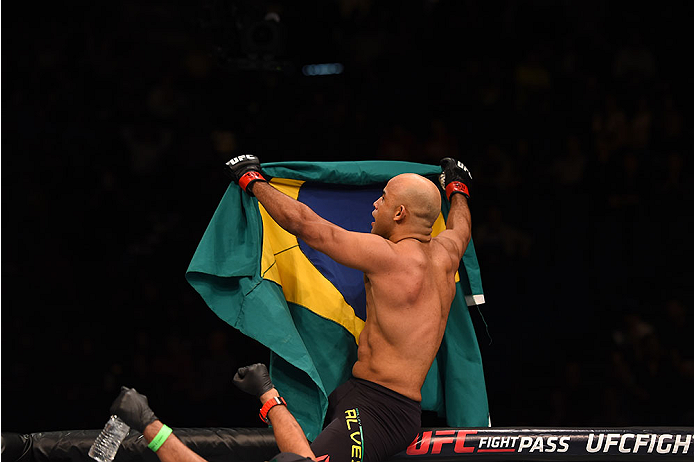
[[107, 443]]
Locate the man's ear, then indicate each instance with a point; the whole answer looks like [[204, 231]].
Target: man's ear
[[400, 213]]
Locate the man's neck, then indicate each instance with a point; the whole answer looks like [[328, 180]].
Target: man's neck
[[418, 237]]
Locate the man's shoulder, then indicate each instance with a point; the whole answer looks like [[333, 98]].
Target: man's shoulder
[[445, 238], [445, 248]]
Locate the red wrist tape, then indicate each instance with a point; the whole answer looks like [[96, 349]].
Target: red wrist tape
[[250, 177], [269, 404], [457, 186]]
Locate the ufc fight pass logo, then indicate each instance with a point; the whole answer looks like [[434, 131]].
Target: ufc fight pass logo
[[675, 442]]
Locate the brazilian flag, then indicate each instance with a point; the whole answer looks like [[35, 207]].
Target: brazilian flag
[[308, 309]]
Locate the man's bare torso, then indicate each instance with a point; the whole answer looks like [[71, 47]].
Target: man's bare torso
[[406, 313]]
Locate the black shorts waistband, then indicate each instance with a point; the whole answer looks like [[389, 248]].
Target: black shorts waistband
[[387, 392]]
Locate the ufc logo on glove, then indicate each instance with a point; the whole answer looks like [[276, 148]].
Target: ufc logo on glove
[[240, 158]]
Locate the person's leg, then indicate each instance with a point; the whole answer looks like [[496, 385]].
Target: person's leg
[[388, 429]]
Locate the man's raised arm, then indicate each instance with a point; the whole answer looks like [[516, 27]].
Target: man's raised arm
[[456, 180], [361, 251]]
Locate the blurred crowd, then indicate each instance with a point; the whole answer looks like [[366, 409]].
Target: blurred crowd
[[575, 119]]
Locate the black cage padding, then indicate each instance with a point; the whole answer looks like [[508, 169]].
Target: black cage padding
[[431, 445], [214, 444]]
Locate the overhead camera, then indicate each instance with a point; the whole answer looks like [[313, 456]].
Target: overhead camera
[[246, 35], [265, 38], [263, 46]]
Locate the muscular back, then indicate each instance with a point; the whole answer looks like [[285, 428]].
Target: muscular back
[[409, 276], [407, 308]]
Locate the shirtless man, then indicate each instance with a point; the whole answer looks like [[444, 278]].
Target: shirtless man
[[410, 284]]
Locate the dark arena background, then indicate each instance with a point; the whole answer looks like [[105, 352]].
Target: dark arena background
[[575, 118]]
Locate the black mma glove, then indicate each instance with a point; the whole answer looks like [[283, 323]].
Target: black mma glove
[[245, 170], [254, 379], [455, 178], [133, 409]]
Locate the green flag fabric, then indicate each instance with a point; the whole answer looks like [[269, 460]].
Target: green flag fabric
[[309, 310]]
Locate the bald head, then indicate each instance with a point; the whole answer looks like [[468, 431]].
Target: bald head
[[419, 195]]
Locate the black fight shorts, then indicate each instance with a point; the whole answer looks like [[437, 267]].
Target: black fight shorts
[[366, 422]]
